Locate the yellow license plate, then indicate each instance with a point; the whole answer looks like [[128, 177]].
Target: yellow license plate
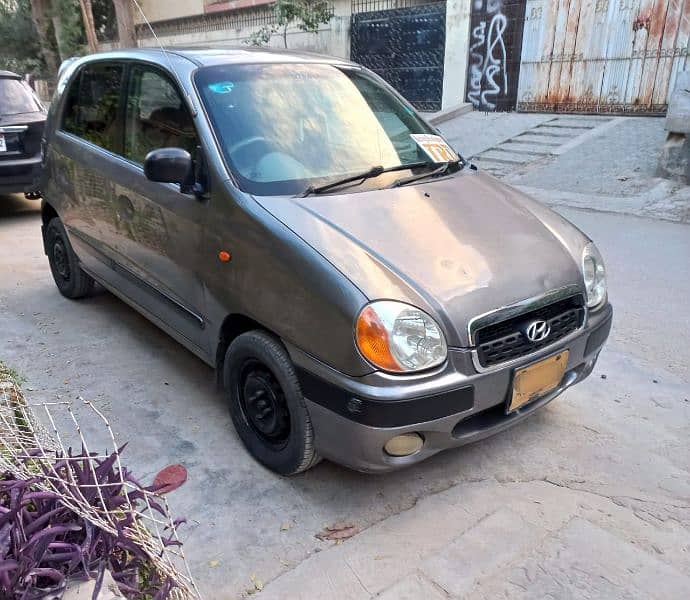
[[537, 379]]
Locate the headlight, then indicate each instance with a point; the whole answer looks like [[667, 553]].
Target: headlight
[[594, 273], [397, 337]]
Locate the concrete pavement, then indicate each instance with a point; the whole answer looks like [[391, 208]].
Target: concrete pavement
[[599, 163], [588, 498]]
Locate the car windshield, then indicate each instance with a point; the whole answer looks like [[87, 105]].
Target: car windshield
[[283, 127], [16, 98]]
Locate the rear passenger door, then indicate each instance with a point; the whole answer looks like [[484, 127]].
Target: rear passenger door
[[159, 228], [89, 139]]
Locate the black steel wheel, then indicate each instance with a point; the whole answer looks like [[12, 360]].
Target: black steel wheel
[[266, 403], [64, 264], [263, 403]]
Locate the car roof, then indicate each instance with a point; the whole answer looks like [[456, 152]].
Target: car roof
[[209, 56], [9, 74]]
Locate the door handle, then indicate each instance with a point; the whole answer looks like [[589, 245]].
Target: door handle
[[124, 208]]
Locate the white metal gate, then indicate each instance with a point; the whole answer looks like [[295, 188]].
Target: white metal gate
[[613, 56]]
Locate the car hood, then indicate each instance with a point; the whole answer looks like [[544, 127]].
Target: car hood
[[456, 247]]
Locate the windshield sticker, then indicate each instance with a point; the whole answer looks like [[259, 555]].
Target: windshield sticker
[[435, 147], [221, 87]]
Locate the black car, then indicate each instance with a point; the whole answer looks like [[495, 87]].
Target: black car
[[22, 119]]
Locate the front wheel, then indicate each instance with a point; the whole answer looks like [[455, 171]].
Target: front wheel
[[64, 265], [266, 403]]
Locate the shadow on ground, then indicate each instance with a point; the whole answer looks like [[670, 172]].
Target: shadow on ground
[[244, 520], [15, 207]]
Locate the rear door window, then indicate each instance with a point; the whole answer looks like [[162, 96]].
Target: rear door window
[[92, 107], [156, 116], [16, 97]]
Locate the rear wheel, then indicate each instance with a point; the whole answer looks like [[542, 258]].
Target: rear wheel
[[266, 403], [64, 264]]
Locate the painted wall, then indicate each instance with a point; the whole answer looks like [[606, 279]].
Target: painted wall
[[333, 38], [455, 62], [618, 56], [157, 10], [495, 46]]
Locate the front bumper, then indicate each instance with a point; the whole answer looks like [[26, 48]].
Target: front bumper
[[354, 417], [20, 174]]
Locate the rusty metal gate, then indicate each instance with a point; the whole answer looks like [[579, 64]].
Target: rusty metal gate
[[405, 46], [494, 54], [602, 56]]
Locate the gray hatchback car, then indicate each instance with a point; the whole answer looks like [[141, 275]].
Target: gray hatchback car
[[364, 294]]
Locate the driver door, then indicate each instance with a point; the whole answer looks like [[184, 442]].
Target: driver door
[[160, 229]]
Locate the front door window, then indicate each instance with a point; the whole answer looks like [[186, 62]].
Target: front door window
[[156, 116]]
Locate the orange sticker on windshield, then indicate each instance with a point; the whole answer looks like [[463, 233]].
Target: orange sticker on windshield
[[435, 147]]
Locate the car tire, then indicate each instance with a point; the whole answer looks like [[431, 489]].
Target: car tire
[[266, 403], [69, 277]]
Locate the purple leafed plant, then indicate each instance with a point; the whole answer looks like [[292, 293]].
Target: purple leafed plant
[[44, 543]]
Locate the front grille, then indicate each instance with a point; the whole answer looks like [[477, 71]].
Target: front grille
[[506, 340]]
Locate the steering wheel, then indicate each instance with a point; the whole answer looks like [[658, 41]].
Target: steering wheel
[[246, 142]]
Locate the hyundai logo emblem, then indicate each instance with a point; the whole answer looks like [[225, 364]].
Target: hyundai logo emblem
[[537, 331]]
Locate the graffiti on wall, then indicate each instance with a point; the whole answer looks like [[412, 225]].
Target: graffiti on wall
[[488, 76], [491, 74]]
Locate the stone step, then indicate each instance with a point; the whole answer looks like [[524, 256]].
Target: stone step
[[581, 120], [569, 130], [569, 124], [521, 147], [554, 133], [493, 166], [508, 157], [542, 140]]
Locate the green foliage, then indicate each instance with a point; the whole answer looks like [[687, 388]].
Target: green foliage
[[9, 374], [307, 15], [69, 32], [104, 19], [262, 36], [20, 50]]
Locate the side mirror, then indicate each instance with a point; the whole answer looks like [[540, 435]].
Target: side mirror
[[170, 165]]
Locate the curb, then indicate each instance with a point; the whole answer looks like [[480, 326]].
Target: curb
[[449, 113]]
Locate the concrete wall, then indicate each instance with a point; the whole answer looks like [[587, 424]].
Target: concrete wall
[[333, 38], [161, 10]]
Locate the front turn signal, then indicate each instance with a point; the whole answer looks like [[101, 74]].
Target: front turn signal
[[372, 341]]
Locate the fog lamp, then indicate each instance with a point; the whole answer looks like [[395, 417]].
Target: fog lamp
[[404, 445]]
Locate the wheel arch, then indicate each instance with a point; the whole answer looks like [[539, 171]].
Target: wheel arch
[[48, 213], [234, 325]]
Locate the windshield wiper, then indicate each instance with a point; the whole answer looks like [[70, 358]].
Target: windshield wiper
[[442, 170], [373, 172]]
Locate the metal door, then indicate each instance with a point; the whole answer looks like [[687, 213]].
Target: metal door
[[160, 230], [494, 53], [406, 47], [603, 56]]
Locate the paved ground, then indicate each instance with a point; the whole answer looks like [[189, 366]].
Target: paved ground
[[595, 162], [588, 498]]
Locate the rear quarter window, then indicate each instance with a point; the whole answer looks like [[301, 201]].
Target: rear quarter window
[[16, 97], [92, 105]]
